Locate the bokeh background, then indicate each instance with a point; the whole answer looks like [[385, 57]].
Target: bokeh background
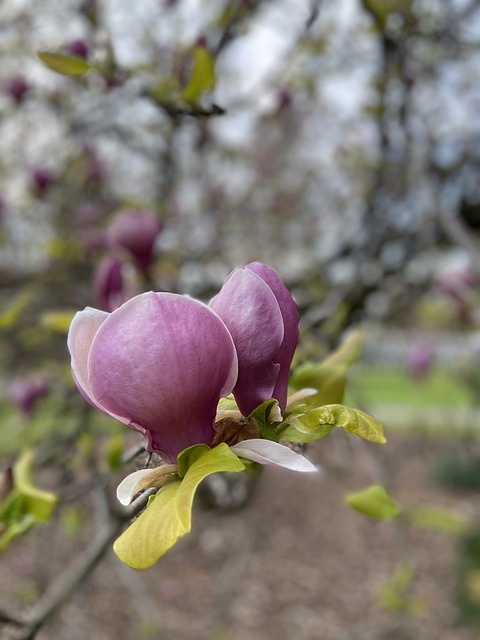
[[338, 142]]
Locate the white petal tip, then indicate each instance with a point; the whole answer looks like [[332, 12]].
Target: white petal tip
[[142, 479], [272, 453]]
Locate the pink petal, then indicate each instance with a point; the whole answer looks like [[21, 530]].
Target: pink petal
[[250, 310], [136, 231], [272, 453], [161, 361], [83, 328], [289, 312]]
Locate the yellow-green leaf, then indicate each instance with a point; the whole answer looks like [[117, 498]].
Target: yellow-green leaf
[[59, 321], [328, 376], [14, 309], [64, 64], [154, 532], [39, 503], [394, 594], [317, 423], [114, 451], [203, 75], [221, 458], [438, 518], [188, 456], [374, 502], [168, 515]]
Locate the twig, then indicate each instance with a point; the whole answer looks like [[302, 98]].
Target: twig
[[78, 570], [6, 618]]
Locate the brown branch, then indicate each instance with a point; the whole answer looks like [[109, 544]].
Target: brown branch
[[76, 572]]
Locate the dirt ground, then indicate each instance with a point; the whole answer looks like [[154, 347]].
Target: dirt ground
[[295, 564]]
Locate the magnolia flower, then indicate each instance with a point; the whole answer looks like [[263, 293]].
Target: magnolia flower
[[262, 317], [78, 48], [135, 231], [420, 357], [42, 179], [17, 88], [112, 283], [25, 392], [161, 362]]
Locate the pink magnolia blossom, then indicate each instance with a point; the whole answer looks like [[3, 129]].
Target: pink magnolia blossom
[[159, 363], [109, 284], [78, 48], [262, 317], [420, 357], [17, 88], [135, 231], [25, 392]]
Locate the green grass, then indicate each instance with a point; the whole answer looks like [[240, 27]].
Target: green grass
[[439, 405], [394, 386]]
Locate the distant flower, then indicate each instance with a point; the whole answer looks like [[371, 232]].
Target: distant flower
[[27, 391], [17, 88], [420, 357], [136, 231], [108, 284], [42, 179], [456, 280], [78, 48]]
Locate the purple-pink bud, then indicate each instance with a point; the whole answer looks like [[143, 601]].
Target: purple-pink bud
[[420, 357], [42, 179], [78, 48], [136, 231], [17, 88], [262, 317], [111, 290], [27, 391]]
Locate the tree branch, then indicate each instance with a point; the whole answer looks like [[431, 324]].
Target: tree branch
[[77, 571]]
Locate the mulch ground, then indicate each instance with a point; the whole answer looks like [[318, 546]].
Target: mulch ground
[[296, 563]]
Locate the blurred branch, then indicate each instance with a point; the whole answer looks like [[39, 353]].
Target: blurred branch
[[78, 570], [6, 618]]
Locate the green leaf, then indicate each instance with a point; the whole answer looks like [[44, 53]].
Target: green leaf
[[292, 434], [58, 321], [14, 308], [154, 532], [221, 458], [15, 530], [329, 376], [168, 514], [114, 451], [317, 423], [438, 518], [64, 64], [203, 75], [374, 502], [188, 456], [393, 595], [39, 503], [262, 414], [25, 504]]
